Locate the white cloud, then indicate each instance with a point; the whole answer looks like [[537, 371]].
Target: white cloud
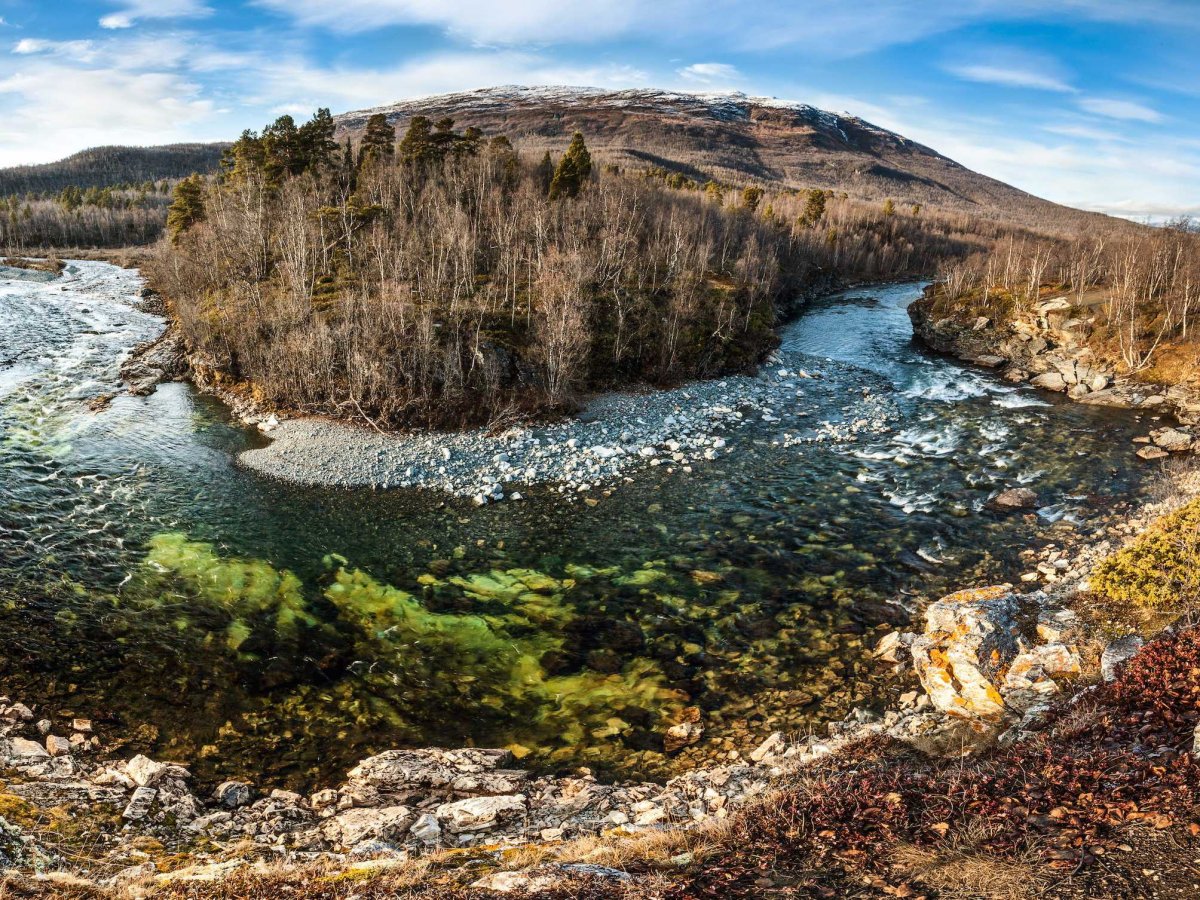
[[51, 111], [80, 51], [1121, 109], [710, 73], [481, 20], [132, 11], [1018, 78], [826, 29]]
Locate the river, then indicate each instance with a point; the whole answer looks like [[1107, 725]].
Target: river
[[201, 611]]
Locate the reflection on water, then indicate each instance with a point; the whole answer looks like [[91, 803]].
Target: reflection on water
[[240, 622]]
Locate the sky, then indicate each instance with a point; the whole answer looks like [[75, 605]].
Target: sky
[[1092, 103]]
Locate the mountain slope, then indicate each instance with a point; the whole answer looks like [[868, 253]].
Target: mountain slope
[[109, 166], [729, 137]]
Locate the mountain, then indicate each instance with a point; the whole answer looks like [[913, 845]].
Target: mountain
[[109, 166], [728, 137]]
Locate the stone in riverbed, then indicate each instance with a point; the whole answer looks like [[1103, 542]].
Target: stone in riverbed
[[1015, 498], [1152, 453], [682, 735], [1172, 440]]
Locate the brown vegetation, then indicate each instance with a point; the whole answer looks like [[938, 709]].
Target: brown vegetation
[[1133, 295], [443, 284]]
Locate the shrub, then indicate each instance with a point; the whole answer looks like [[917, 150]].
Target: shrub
[[1161, 567]]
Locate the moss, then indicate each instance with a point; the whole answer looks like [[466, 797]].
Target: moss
[[1159, 570]]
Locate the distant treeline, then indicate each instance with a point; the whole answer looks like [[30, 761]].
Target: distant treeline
[[107, 197], [103, 167], [446, 278]]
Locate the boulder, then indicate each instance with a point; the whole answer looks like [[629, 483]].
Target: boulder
[[139, 804], [480, 813], [1116, 653], [682, 735], [25, 750], [353, 826], [427, 829], [1050, 381], [969, 637], [232, 794], [145, 772], [1015, 498], [1151, 453], [466, 771]]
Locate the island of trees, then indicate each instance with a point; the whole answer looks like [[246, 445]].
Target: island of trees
[[443, 278]]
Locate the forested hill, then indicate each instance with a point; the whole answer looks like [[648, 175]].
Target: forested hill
[[733, 138], [102, 167]]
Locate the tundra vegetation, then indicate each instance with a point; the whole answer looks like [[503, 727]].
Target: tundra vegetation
[[445, 279]]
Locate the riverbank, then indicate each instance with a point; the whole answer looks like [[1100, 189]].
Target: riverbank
[[612, 437], [1047, 349], [999, 670]]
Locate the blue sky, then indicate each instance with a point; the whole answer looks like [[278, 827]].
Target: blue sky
[[1094, 103]]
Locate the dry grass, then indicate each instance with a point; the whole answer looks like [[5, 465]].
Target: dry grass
[[959, 872]]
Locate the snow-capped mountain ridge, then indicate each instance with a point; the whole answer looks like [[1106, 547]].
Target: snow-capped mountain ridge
[[723, 136]]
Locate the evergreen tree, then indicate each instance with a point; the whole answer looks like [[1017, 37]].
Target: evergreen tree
[[187, 207], [281, 149], [573, 169], [317, 146], [889, 208], [814, 208], [544, 172], [379, 140], [751, 197], [417, 147]]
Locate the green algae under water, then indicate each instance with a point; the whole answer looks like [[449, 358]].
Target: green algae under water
[[201, 612]]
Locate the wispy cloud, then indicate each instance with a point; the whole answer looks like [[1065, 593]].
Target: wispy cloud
[[710, 73], [1018, 78], [478, 20], [131, 11], [1126, 110]]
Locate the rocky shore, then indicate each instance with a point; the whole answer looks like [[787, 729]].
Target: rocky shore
[[1046, 349], [990, 663]]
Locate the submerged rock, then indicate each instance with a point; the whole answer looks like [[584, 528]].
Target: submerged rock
[[1015, 498]]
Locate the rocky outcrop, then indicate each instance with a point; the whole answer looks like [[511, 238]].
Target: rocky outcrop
[[1047, 349], [163, 359], [982, 673]]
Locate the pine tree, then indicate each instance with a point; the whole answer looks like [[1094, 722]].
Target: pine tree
[[889, 208], [814, 208], [573, 169], [544, 173], [379, 140], [751, 197], [187, 207], [316, 143], [417, 147]]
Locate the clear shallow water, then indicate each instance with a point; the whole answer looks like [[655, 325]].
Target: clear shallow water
[[247, 625]]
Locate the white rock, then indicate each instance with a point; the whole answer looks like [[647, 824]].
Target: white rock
[[480, 813]]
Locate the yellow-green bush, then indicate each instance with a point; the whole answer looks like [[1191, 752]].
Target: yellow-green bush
[[1161, 568]]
